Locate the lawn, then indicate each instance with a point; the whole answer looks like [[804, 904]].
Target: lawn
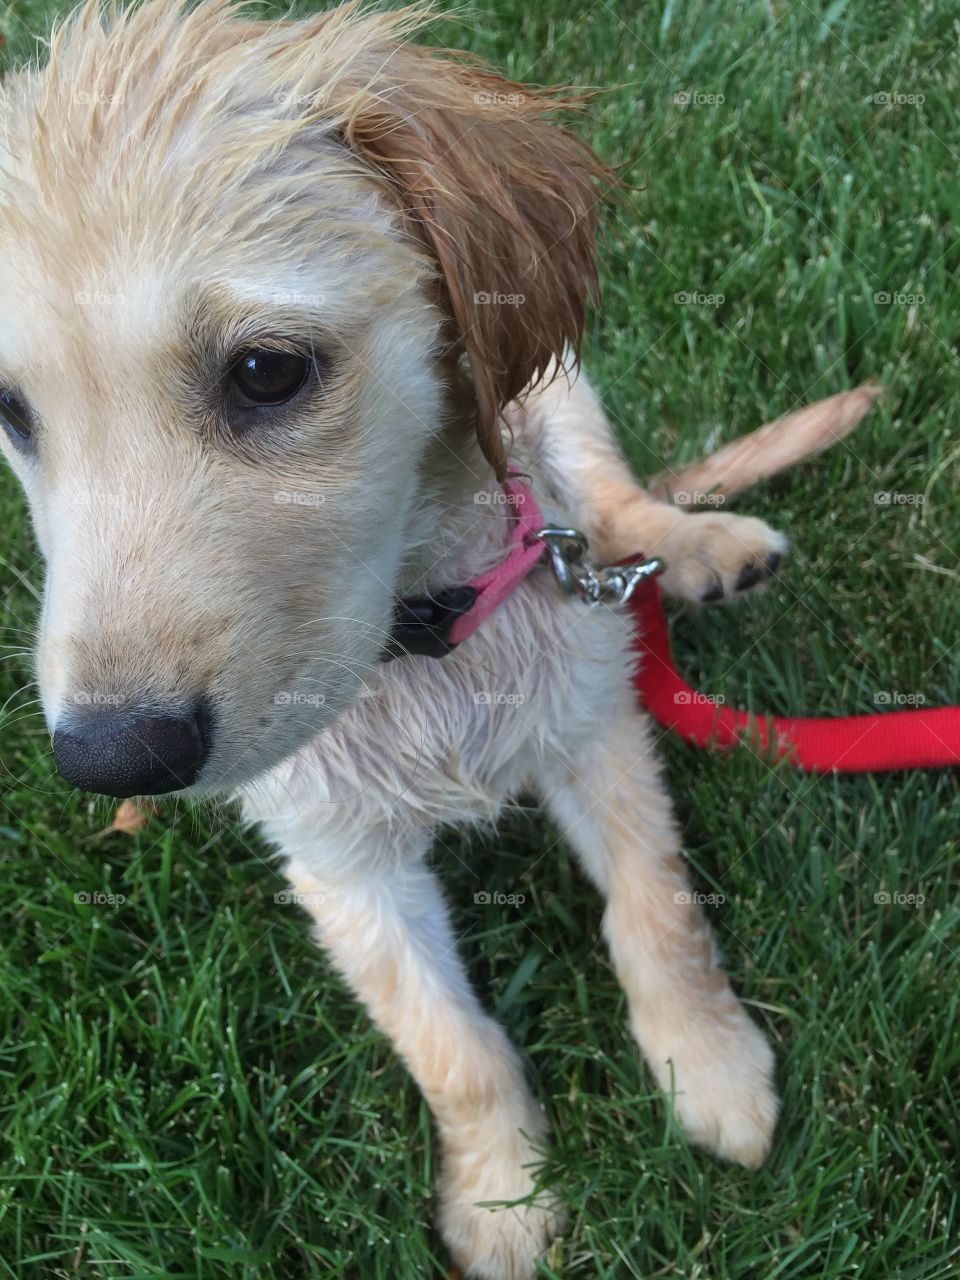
[[187, 1090]]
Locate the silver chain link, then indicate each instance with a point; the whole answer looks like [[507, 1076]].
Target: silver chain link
[[610, 584]]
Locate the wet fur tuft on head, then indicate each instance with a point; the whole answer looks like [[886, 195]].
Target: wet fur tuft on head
[[501, 197]]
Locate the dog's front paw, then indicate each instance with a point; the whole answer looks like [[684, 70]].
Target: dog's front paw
[[724, 1095], [497, 1244], [487, 1238], [718, 556]]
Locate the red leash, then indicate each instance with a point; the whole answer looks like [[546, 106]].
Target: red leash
[[846, 744], [432, 626]]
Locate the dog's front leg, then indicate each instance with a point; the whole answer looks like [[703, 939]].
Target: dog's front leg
[[388, 933], [691, 1027]]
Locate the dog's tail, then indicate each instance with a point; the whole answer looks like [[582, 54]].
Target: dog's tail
[[771, 448]]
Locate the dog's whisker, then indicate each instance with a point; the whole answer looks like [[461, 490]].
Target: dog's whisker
[[16, 692]]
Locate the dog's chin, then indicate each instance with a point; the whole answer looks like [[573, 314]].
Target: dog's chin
[[242, 755]]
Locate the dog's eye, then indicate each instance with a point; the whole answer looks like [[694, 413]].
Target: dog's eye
[[265, 377], [16, 417]]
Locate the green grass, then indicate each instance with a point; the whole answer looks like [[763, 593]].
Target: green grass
[[188, 1092]]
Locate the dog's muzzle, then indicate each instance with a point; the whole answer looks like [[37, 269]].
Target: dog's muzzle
[[120, 752]]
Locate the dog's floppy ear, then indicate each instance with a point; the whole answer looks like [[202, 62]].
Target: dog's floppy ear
[[505, 199]]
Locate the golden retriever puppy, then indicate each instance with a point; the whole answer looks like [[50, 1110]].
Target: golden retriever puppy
[[277, 301]]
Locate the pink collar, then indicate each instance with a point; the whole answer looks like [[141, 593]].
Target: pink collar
[[525, 551], [434, 625]]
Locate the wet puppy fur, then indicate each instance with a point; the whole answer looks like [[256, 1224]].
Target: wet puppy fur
[[190, 202]]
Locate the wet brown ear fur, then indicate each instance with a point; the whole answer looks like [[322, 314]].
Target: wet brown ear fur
[[506, 201]]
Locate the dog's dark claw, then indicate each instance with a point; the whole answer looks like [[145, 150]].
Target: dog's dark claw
[[750, 575], [713, 595]]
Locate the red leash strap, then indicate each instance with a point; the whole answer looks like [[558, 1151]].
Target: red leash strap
[[847, 744]]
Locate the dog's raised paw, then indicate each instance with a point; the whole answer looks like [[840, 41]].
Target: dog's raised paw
[[710, 558]]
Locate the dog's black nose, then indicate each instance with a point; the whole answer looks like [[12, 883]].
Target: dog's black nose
[[128, 753]]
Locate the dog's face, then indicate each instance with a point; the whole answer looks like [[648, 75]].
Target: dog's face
[[219, 450], [229, 255]]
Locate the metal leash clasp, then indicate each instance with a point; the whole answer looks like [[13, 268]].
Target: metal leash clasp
[[612, 584]]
